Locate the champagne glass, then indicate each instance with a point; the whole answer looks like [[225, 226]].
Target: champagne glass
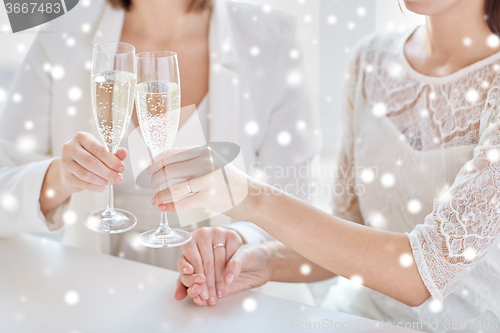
[[113, 85], [158, 105]]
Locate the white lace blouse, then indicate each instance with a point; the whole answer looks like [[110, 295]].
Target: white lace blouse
[[421, 155]]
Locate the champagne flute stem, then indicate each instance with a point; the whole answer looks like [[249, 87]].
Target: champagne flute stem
[[110, 207], [164, 228]]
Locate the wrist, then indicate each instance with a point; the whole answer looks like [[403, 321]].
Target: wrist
[[270, 256]]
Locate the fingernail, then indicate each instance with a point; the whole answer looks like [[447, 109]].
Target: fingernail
[[211, 301], [119, 179], [204, 295], [153, 202], [219, 293], [198, 279], [121, 168], [185, 270], [229, 278], [162, 207]]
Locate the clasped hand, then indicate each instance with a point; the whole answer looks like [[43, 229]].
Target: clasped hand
[[208, 273]]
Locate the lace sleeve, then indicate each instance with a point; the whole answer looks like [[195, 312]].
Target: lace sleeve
[[464, 223], [345, 201]]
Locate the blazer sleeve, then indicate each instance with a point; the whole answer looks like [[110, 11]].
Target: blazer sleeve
[[25, 152], [288, 155]]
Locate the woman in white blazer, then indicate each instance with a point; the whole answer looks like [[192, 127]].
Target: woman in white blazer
[[248, 85]]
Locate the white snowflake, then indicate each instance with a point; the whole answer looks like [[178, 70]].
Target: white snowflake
[[357, 280], [395, 70], [467, 41], [255, 51], [46, 67], [29, 125], [251, 128], [414, 206], [20, 48], [57, 72], [9, 202], [71, 111], [16, 98], [26, 143], [377, 220], [388, 180], [284, 138], [249, 304], [307, 18], [361, 11], [367, 176], [493, 155], [351, 25], [332, 19], [267, 8], [71, 297], [86, 3], [294, 78], [86, 27], [50, 193], [70, 42], [74, 93], [435, 306], [88, 65], [470, 254], [493, 41], [294, 54], [70, 217], [301, 125], [406, 260], [305, 269], [379, 109], [472, 95]]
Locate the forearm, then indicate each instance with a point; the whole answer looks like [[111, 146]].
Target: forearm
[[340, 246], [286, 265], [53, 192]]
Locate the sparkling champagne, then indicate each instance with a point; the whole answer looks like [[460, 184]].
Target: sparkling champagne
[[113, 101], [158, 111]]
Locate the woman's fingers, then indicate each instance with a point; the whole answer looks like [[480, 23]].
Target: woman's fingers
[[94, 147], [85, 174], [193, 168], [193, 257], [79, 184], [189, 280], [180, 290], [94, 165], [234, 266], [219, 250], [173, 155], [206, 250], [121, 153], [183, 266]]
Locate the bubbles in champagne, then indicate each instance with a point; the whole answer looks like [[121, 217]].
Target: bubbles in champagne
[[158, 110], [113, 99]]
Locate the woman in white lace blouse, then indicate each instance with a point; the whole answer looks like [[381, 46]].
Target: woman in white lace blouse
[[422, 109]]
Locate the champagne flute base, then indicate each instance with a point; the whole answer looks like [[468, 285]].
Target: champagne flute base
[[176, 237], [120, 222]]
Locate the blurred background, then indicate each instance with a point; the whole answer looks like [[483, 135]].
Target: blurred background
[[328, 29]]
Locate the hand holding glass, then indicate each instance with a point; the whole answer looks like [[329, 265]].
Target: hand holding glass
[[158, 102], [113, 84]]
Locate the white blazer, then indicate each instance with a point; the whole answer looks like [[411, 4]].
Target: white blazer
[[256, 77]]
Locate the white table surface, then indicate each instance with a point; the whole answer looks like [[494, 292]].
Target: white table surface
[[38, 277]]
